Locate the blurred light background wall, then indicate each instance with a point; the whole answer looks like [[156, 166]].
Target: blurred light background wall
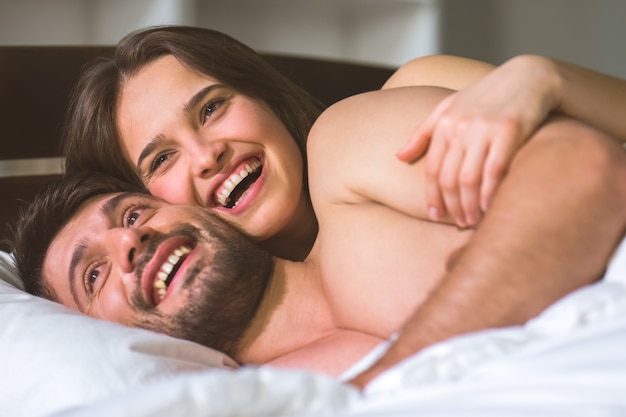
[[386, 32], [383, 32]]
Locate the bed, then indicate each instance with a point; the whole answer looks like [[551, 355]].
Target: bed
[[57, 362]]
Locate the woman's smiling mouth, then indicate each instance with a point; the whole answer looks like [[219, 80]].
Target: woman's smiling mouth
[[236, 186]]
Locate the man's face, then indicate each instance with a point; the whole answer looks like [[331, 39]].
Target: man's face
[[136, 260]]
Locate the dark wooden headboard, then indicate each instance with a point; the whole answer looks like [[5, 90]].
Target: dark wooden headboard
[[34, 87]]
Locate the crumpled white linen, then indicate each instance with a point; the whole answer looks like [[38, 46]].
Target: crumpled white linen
[[569, 361], [53, 358]]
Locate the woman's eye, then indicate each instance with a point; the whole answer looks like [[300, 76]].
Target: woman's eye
[[158, 162], [212, 107]]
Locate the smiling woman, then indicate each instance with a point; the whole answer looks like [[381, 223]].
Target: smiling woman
[[191, 142], [200, 118], [37, 80]]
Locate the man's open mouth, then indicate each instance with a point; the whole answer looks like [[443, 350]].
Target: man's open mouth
[[168, 271], [235, 187]]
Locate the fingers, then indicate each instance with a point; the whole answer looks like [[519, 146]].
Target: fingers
[[495, 166], [449, 184], [434, 161], [418, 143], [456, 186], [470, 180], [415, 147], [471, 138], [454, 170]]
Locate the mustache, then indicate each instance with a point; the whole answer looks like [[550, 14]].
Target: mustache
[[144, 258]]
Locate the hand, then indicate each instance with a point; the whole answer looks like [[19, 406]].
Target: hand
[[473, 135]]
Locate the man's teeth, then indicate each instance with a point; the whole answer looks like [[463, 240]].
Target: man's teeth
[[223, 196], [168, 266]]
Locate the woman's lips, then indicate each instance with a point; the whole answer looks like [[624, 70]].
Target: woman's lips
[[231, 191]]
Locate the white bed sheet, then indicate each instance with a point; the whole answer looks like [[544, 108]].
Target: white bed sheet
[[570, 361]]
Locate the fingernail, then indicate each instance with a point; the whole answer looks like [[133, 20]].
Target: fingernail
[[433, 212], [404, 147]]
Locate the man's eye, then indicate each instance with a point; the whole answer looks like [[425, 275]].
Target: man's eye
[[90, 279], [132, 217]]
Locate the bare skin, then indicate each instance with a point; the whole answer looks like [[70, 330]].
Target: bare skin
[[473, 134], [379, 266], [535, 254]]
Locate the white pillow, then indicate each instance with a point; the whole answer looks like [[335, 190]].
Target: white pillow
[[8, 272], [53, 358]]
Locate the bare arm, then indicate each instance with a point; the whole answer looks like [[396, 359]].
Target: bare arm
[[587, 95], [552, 227], [557, 86], [554, 224], [446, 71], [473, 134]]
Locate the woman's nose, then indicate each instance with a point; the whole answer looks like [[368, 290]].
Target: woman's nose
[[128, 243], [207, 158]]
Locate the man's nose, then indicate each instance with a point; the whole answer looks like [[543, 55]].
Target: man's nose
[[128, 243], [207, 157]]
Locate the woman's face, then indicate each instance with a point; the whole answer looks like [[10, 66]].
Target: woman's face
[[195, 141]]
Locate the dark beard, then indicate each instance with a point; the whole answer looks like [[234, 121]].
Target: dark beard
[[224, 293]]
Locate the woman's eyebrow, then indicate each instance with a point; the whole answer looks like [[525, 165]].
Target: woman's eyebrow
[[148, 149], [187, 107], [197, 98]]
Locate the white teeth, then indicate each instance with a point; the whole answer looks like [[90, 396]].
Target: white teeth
[[229, 185], [166, 268], [223, 196]]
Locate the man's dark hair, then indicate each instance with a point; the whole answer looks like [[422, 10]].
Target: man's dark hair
[[52, 208]]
